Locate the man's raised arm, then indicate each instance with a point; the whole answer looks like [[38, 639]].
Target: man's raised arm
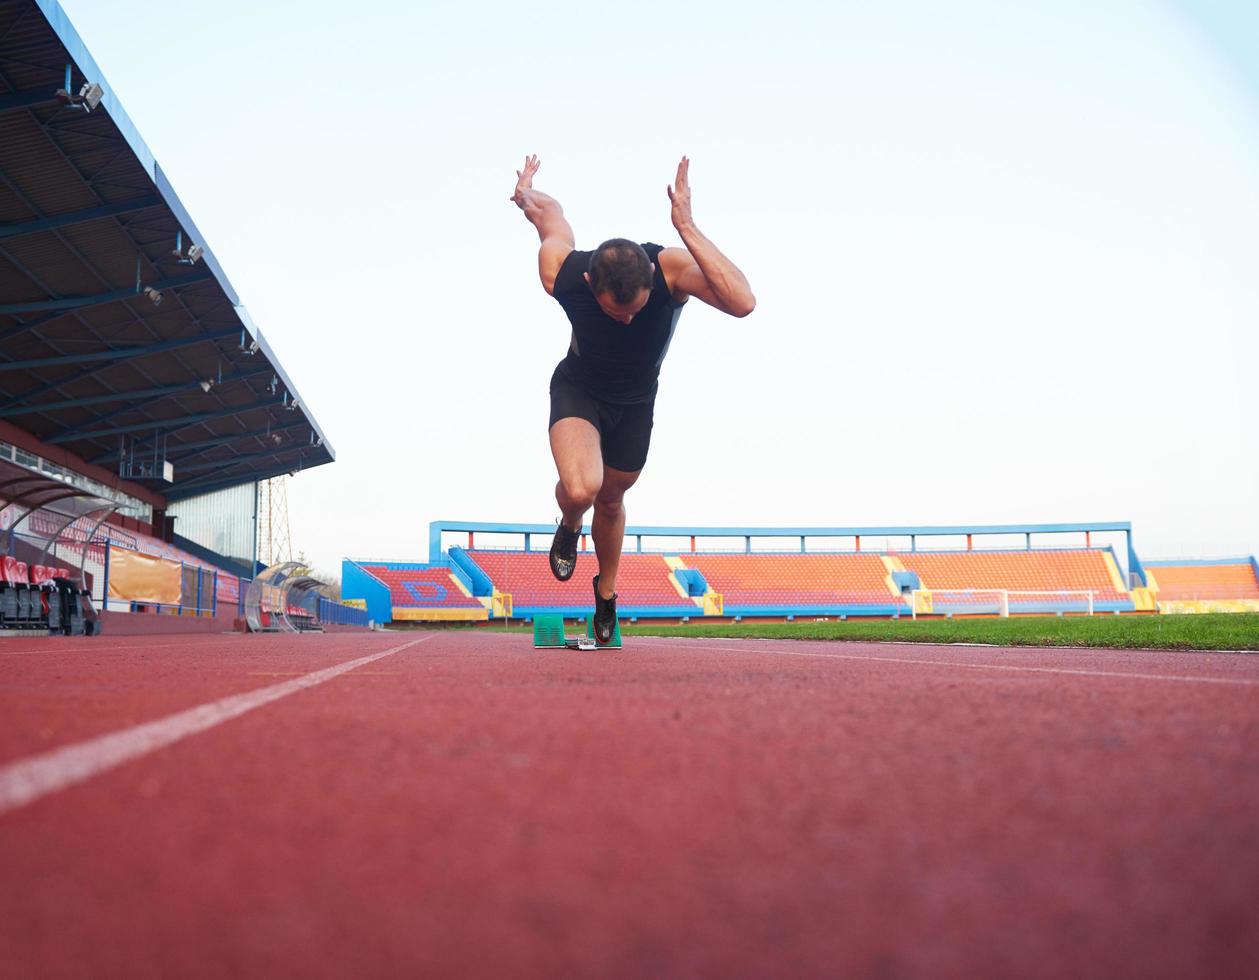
[[701, 269], [546, 215]]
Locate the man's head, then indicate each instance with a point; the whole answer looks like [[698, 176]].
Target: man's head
[[620, 276]]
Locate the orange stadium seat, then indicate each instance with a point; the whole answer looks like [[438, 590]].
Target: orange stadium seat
[[1234, 580], [796, 579], [1046, 571]]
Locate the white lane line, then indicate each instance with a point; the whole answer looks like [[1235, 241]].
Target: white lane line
[[1235, 681], [27, 780]]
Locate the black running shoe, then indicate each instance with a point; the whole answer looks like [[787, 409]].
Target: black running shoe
[[564, 553], [605, 615]]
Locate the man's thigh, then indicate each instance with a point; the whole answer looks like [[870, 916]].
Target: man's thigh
[[575, 447]]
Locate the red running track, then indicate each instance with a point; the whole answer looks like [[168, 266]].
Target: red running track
[[466, 806]]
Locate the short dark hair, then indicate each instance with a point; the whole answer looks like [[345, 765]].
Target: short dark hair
[[620, 267]]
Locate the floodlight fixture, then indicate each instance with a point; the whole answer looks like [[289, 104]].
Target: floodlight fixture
[[154, 295], [194, 251], [90, 95], [87, 98], [207, 385]]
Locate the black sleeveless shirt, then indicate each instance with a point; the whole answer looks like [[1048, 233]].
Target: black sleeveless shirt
[[615, 362]]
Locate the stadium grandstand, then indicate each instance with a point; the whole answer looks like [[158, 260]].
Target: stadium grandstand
[[684, 573], [1206, 585], [140, 406]]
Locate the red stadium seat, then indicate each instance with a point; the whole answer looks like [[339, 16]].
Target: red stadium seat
[[643, 580], [422, 587], [10, 606]]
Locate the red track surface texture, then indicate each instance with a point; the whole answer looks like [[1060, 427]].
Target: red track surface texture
[[465, 806]]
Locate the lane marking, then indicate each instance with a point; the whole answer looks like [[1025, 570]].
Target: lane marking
[[1235, 681], [29, 779], [298, 673]]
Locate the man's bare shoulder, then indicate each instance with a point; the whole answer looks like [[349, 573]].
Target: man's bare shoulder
[[551, 256], [677, 265]]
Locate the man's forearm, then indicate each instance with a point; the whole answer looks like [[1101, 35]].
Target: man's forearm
[[725, 279], [544, 213]]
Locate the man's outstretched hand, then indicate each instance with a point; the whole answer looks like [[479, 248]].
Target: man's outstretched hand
[[524, 181], [680, 196]]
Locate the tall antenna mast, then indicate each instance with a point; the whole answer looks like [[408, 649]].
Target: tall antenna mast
[[275, 543]]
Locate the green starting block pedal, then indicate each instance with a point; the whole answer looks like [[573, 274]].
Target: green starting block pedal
[[548, 634], [612, 644]]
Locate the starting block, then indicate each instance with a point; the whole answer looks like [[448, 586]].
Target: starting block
[[548, 634]]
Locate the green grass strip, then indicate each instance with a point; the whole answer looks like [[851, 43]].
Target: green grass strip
[[1218, 631]]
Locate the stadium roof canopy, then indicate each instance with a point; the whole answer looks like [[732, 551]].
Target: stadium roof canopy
[[89, 227]]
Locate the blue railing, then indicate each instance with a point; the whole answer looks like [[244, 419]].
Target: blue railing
[[913, 533], [338, 614]]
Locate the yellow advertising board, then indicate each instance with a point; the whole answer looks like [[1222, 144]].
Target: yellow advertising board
[[134, 577], [438, 615]]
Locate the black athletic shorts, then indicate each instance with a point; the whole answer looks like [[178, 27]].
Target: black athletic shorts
[[624, 430]]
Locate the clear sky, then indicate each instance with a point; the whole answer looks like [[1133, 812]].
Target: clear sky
[[1005, 254]]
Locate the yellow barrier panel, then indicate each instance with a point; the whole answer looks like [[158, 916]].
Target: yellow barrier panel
[[892, 564], [1183, 606], [502, 604], [1116, 577], [714, 604], [411, 614], [134, 577]]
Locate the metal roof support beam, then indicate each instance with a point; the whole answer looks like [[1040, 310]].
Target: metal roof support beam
[[117, 355], [223, 464], [98, 299], [167, 424], [52, 385], [24, 100], [191, 450], [13, 229], [198, 447], [180, 490], [138, 406], [119, 396], [29, 325]]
